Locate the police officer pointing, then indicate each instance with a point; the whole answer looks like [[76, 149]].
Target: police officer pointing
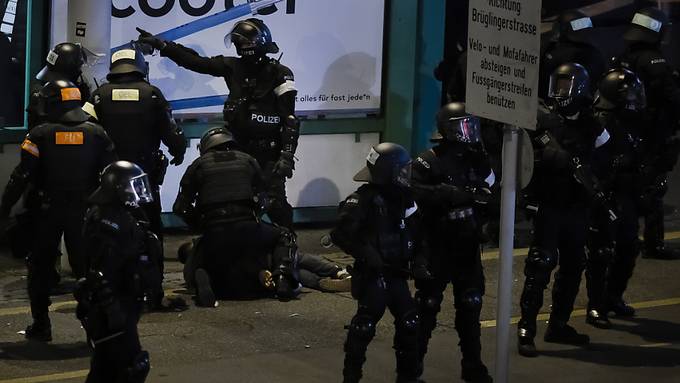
[[261, 104], [62, 158]]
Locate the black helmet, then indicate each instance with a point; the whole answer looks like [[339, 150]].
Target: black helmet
[[62, 102], [123, 182], [252, 38], [620, 89], [213, 138], [569, 87], [647, 26], [455, 125], [572, 26], [128, 60], [64, 62], [386, 164]]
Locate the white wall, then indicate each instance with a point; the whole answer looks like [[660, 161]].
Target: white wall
[[323, 175]]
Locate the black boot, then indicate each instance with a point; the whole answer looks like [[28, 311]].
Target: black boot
[[660, 252], [286, 287], [474, 371], [565, 334], [621, 308], [205, 297], [598, 318], [41, 329], [525, 343]]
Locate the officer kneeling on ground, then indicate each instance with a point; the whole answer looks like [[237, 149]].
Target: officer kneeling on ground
[[62, 158], [221, 194], [260, 110], [121, 275], [377, 228]]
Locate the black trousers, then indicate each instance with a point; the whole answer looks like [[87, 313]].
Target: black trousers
[[377, 294], [234, 253], [280, 212], [61, 217], [455, 260], [115, 360], [559, 238], [654, 226], [313, 268]]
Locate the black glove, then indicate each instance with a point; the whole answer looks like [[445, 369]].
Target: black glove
[[481, 195], [177, 160], [285, 165], [149, 39], [453, 194]]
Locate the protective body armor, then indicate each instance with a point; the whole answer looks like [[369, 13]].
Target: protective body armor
[[252, 110], [555, 182], [384, 226], [71, 156], [129, 112], [221, 183]]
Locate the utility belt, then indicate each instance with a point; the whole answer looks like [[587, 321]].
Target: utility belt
[[228, 213]]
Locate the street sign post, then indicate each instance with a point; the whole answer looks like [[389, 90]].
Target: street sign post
[[502, 82]]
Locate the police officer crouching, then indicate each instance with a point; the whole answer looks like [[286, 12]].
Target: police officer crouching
[[220, 194], [62, 158], [564, 142], [451, 183], [260, 110], [121, 274], [378, 227], [138, 118]]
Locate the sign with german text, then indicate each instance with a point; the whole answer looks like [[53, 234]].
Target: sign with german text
[[503, 52]]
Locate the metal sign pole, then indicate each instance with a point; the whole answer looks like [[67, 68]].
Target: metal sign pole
[[507, 237]]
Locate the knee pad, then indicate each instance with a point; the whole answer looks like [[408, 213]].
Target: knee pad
[[471, 299], [428, 303], [139, 369], [541, 260], [363, 327], [409, 322]]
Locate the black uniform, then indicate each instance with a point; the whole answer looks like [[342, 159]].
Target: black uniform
[[217, 194], [663, 113], [561, 223], [613, 248], [377, 228], [138, 118], [62, 159], [454, 224], [261, 100], [110, 300]]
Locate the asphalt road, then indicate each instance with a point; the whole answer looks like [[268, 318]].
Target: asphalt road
[[301, 341]]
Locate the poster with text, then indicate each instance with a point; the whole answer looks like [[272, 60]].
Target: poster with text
[[333, 47]]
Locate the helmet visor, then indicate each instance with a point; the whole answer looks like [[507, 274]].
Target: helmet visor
[[561, 86], [141, 189], [404, 174], [466, 130], [242, 43]]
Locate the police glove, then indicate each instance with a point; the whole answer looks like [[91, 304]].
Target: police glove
[[177, 160], [285, 165], [147, 38], [481, 195], [453, 194]]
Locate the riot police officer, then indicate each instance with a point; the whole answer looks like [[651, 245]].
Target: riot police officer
[[62, 158], [613, 247], [643, 56], [570, 43], [221, 194], [121, 274], [377, 227], [138, 118], [64, 62], [565, 187], [452, 182], [260, 110]]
